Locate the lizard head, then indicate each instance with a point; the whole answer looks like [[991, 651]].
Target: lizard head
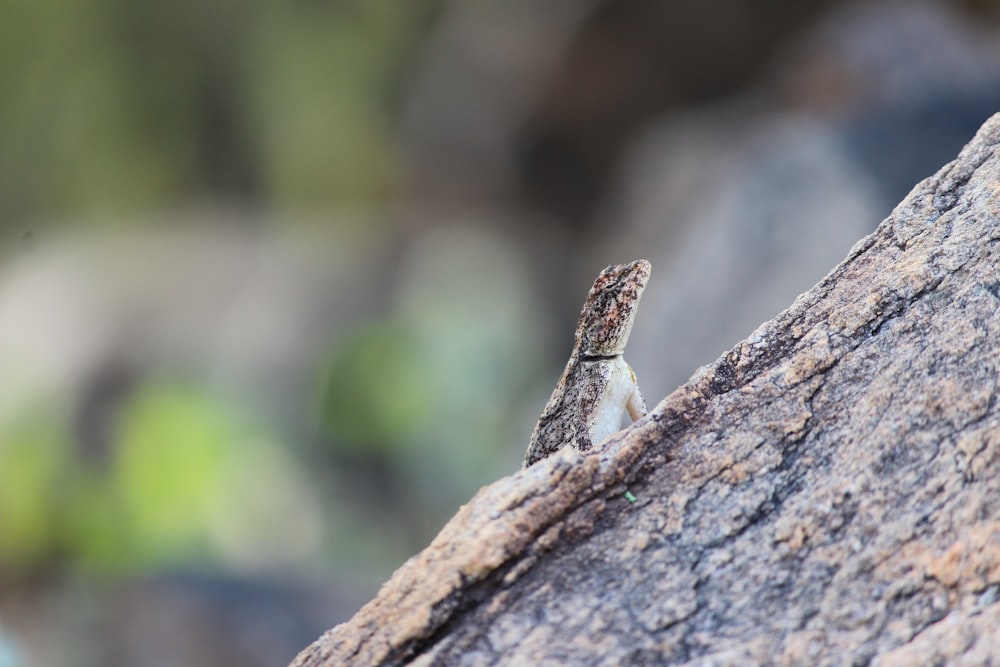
[[609, 311]]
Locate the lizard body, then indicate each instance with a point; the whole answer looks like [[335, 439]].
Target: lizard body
[[597, 385]]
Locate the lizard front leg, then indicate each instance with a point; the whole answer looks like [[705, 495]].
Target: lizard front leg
[[636, 404]]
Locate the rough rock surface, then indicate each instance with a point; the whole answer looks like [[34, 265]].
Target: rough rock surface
[[826, 493]]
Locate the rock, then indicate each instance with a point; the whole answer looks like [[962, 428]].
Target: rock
[[824, 493]]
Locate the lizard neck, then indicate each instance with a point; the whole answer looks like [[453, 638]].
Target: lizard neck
[[598, 357]]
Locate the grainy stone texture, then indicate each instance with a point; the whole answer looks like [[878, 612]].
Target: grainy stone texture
[[826, 493]]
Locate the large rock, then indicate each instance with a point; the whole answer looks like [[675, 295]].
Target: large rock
[[827, 492]]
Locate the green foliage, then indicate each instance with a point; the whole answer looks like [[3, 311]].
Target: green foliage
[[78, 136], [173, 450], [375, 393], [185, 481], [320, 104], [425, 396], [112, 107], [33, 469]]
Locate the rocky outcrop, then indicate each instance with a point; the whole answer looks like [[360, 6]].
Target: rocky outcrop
[[827, 492]]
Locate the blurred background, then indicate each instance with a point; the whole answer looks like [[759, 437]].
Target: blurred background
[[282, 284]]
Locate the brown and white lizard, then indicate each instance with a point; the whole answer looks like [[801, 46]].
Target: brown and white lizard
[[597, 386]]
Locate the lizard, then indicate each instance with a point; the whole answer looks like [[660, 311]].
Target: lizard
[[597, 385]]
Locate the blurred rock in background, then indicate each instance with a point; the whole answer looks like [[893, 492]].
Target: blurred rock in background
[[281, 285]]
